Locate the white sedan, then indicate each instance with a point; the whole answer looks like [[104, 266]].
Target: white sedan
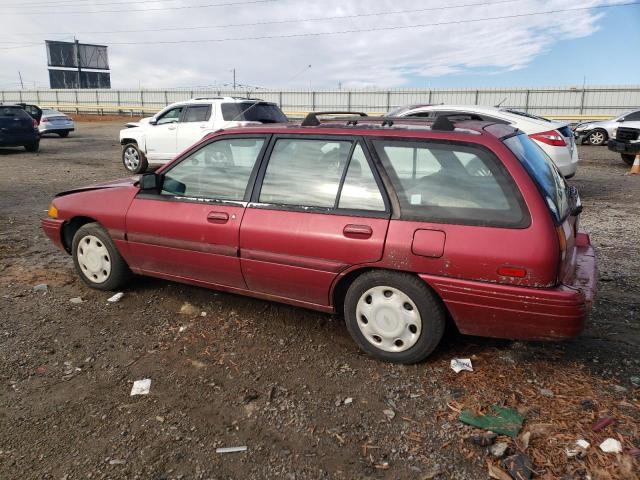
[[53, 121], [554, 138]]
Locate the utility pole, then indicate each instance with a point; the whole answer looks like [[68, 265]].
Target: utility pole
[[234, 78], [78, 61], [20, 75]]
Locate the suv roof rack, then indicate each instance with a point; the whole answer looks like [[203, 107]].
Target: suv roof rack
[[311, 120], [222, 98], [441, 123]]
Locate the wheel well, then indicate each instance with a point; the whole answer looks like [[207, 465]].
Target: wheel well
[[70, 228], [126, 141]]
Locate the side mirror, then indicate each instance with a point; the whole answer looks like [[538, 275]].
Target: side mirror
[[620, 120], [153, 121], [150, 182]]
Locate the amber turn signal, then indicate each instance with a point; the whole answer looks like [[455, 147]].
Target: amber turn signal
[[53, 211]]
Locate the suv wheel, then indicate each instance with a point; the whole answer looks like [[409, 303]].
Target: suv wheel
[[97, 260], [597, 138], [35, 146], [394, 316], [133, 159], [628, 158]]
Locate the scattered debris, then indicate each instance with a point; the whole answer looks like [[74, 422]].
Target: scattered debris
[[141, 387], [496, 472], [390, 414], [76, 300], [188, 309], [160, 419], [587, 404], [583, 443], [116, 461], [483, 440], [634, 452], [545, 392], [635, 381], [580, 452], [116, 298], [41, 287], [620, 389], [203, 314], [498, 449], [231, 449], [348, 401], [611, 445], [506, 421], [523, 440], [182, 328], [602, 424], [519, 466], [250, 397], [459, 364]]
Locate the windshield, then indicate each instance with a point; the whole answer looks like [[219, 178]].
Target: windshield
[[253, 112], [543, 171]]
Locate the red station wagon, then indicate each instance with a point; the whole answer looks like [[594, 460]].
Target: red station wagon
[[401, 224]]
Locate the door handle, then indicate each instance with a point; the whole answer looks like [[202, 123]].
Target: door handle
[[357, 231], [171, 128], [218, 217]]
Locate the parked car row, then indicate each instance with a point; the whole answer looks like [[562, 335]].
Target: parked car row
[[22, 125], [401, 223]]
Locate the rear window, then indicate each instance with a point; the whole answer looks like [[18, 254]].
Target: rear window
[[252, 112], [13, 112], [544, 172], [451, 183]]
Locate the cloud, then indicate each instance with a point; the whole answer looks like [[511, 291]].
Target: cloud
[[394, 57]]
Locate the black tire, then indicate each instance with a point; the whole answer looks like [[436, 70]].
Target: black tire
[[33, 147], [628, 158], [429, 306], [597, 137], [136, 167], [119, 273], [63, 134]]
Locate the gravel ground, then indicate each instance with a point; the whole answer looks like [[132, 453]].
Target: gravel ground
[[287, 383]]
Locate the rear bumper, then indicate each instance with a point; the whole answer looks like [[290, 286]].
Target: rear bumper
[[504, 311], [53, 229], [18, 140], [624, 147]]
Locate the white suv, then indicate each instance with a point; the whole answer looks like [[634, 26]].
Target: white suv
[[554, 138], [158, 139]]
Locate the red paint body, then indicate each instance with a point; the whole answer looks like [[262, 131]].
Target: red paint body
[[300, 257]]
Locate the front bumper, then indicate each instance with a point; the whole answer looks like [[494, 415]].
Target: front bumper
[[505, 311], [624, 147], [52, 227]]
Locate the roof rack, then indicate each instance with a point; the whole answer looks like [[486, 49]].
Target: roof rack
[[222, 98], [311, 120]]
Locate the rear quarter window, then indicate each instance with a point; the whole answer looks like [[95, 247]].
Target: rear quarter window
[[451, 183]]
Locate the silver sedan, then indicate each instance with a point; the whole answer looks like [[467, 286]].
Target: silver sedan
[[597, 133], [53, 121]]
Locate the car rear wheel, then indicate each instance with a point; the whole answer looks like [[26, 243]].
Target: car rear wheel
[[97, 260], [628, 158], [63, 134], [394, 316], [597, 138], [133, 159], [33, 147]]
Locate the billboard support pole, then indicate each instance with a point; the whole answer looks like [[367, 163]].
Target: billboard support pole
[[78, 60]]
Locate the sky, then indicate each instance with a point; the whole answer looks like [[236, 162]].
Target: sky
[[331, 43]]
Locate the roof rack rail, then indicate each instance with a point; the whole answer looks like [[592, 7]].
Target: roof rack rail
[[311, 120]]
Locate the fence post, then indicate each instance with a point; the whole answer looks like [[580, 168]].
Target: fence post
[[166, 98], [57, 98], [38, 96], [349, 100], [280, 98], [582, 101], [76, 96], [526, 101], [429, 100], [118, 100], [476, 99], [2, 96], [388, 100], [313, 101], [20, 95], [142, 101]]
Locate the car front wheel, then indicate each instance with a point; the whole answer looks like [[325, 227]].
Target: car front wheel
[[597, 138], [33, 147], [394, 316], [97, 260], [133, 159]]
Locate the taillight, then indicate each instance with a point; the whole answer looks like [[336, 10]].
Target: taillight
[[562, 240], [45, 119], [552, 137], [34, 122]]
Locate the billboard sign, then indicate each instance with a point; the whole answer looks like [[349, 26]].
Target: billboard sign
[[66, 55]]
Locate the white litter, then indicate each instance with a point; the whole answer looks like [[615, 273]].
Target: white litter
[[182, 329], [116, 297], [141, 387], [231, 449], [582, 443], [76, 300], [348, 401], [611, 445], [459, 364]]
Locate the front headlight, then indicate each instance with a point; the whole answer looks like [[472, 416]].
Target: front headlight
[[615, 132]]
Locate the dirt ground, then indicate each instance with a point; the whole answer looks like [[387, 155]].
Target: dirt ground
[[287, 383]]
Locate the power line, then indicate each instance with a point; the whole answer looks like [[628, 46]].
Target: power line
[[69, 4], [277, 22], [363, 30], [128, 10]]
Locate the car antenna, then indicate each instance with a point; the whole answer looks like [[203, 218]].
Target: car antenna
[[239, 115], [501, 102]]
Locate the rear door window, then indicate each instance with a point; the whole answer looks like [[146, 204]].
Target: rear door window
[[451, 183], [252, 112], [360, 190], [197, 113]]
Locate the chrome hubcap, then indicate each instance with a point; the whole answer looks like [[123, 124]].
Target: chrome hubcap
[[597, 137], [131, 158], [94, 259], [388, 319]]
